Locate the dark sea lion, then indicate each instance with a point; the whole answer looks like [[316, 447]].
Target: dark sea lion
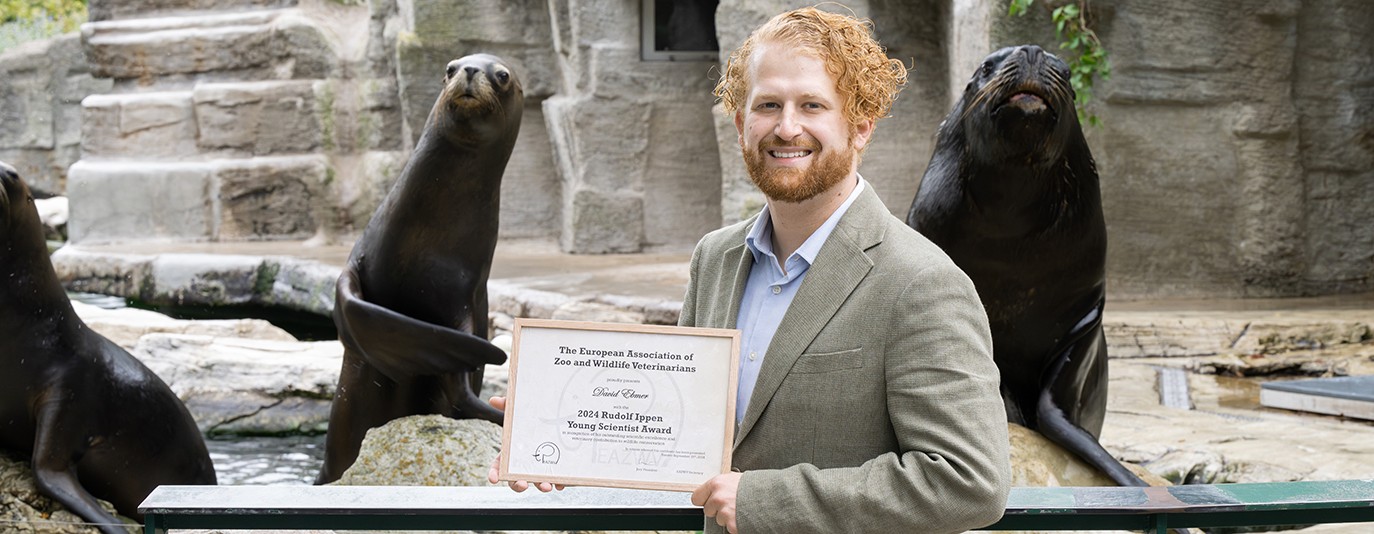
[[95, 422], [1011, 194], [411, 304]]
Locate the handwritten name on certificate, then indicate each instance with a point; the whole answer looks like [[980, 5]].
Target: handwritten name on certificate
[[619, 405]]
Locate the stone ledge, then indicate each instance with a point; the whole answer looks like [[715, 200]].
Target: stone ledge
[[197, 44], [308, 285], [104, 11], [302, 285], [113, 200], [1194, 333], [282, 196]]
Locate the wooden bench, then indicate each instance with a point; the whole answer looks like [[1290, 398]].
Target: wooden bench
[[499, 508]]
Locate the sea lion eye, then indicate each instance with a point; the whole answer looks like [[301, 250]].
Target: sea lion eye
[[986, 69], [448, 73], [503, 76]]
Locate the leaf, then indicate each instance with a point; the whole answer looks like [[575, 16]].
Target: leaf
[[1018, 7], [1089, 60]]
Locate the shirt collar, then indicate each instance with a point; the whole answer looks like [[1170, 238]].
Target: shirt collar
[[760, 237]]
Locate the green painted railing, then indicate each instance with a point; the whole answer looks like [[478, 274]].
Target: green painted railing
[[497, 508]]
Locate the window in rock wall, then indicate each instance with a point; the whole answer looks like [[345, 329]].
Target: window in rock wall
[[678, 30]]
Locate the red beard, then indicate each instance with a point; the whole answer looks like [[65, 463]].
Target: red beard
[[797, 185]]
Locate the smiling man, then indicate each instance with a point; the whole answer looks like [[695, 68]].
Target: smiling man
[[868, 397]]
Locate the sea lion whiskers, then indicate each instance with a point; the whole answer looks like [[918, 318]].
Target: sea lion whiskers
[[981, 98]]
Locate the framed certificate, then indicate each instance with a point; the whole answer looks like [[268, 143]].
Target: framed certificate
[[619, 405]]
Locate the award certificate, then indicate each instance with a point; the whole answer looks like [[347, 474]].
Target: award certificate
[[619, 405]]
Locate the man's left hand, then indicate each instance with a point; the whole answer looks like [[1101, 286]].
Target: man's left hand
[[717, 499]]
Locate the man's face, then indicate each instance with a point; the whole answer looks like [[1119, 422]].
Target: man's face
[[795, 138]]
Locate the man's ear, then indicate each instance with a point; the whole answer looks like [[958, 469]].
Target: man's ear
[[739, 128], [863, 131]]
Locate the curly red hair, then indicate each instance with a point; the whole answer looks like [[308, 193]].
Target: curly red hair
[[867, 79]]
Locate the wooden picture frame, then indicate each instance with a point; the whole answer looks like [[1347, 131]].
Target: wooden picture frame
[[619, 405]]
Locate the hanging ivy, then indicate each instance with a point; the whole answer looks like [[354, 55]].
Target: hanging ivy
[[1088, 59], [67, 14], [28, 20]]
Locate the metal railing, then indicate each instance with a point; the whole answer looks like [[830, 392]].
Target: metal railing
[[1152, 509]]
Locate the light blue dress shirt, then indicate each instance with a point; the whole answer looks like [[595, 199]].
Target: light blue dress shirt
[[768, 293]]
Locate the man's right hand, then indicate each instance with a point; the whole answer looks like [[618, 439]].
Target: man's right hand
[[518, 485]]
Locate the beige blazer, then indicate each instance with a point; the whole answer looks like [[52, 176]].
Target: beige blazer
[[877, 406]]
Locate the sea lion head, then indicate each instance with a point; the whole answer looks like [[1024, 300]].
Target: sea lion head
[[18, 214], [12, 189], [7, 175], [1018, 109], [482, 99]]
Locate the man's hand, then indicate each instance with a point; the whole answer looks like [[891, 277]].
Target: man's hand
[[717, 499], [519, 485]]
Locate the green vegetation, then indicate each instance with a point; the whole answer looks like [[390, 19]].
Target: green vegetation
[[22, 21], [324, 106], [1089, 59]]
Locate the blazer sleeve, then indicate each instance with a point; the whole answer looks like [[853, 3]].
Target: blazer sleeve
[[688, 315], [951, 471]]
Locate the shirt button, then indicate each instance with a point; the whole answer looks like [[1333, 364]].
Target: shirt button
[[753, 355], [777, 289]]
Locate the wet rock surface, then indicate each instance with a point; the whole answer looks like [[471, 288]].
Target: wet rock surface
[[1227, 436], [23, 510]]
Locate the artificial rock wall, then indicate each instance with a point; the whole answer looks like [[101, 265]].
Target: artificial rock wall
[[1235, 151], [233, 120], [1237, 146], [41, 87]]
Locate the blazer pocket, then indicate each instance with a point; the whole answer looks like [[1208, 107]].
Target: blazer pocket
[[825, 362]]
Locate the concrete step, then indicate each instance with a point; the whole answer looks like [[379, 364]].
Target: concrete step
[[242, 119], [149, 125], [258, 117], [261, 44], [277, 197], [105, 10], [238, 119]]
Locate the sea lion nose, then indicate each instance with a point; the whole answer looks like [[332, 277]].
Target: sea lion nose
[[472, 71], [1034, 54]]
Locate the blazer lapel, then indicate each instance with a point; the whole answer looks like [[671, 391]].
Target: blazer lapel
[[739, 258], [839, 268]]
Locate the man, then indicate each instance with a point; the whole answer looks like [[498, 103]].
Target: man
[[868, 397]]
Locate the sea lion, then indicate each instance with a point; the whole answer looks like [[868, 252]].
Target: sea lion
[[411, 303], [95, 422], [1011, 194]]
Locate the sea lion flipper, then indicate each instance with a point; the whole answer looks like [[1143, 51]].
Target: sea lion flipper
[[54, 472], [460, 394], [1055, 424], [1057, 428], [401, 346]]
